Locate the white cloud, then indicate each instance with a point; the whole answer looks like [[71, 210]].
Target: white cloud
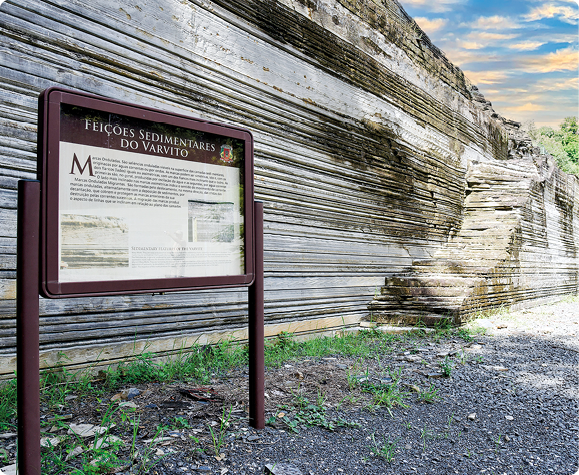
[[471, 45], [436, 6], [550, 10], [557, 85], [486, 77], [495, 22], [554, 38], [430, 26], [460, 56], [526, 45], [483, 35], [483, 39]]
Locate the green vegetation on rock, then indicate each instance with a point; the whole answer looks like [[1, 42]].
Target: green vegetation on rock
[[562, 143]]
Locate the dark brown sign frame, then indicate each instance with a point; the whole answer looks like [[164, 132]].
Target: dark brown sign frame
[[50, 125]]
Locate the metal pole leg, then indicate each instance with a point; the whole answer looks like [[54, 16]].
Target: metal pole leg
[[27, 331], [256, 332]]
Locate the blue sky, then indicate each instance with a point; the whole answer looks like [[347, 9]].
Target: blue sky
[[522, 54]]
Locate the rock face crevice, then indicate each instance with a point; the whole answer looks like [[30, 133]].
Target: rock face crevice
[[516, 244]]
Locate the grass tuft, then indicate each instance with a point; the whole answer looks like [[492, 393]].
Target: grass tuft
[[387, 449], [8, 405]]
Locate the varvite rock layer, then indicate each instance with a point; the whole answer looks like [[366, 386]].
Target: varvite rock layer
[[391, 188]]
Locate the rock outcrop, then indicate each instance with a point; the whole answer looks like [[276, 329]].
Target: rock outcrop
[[374, 157], [516, 246]]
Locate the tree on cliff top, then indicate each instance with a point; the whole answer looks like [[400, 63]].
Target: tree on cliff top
[[562, 143]]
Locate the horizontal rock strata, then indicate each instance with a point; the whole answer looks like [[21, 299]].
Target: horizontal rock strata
[[364, 134], [517, 246]]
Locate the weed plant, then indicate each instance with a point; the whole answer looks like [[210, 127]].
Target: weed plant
[[430, 395], [106, 453], [570, 299], [198, 363], [426, 434], [386, 394], [218, 437], [310, 414], [449, 422], [446, 366], [386, 449], [284, 348]]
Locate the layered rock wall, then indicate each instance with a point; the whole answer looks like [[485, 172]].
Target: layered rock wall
[[364, 135], [517, 245]]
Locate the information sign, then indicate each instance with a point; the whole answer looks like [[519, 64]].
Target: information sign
[[140, 200]]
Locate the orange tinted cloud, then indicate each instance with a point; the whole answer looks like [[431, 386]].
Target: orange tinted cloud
[[486, 77], [482, 39], [528, 107], [430, 26], [566, 59], [483, 35]]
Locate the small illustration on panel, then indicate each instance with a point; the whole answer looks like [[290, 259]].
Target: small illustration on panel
[[211, 222], [93, 241]]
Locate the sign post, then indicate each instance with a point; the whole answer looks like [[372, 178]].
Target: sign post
[[256, 330], [27, 327], [132, 200]]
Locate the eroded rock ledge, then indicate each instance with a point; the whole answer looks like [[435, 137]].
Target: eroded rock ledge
[[517, 244]]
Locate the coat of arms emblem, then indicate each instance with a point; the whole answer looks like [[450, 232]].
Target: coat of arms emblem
[[226, 153]]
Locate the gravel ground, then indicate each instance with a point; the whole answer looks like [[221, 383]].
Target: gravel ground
[[509, 406]]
